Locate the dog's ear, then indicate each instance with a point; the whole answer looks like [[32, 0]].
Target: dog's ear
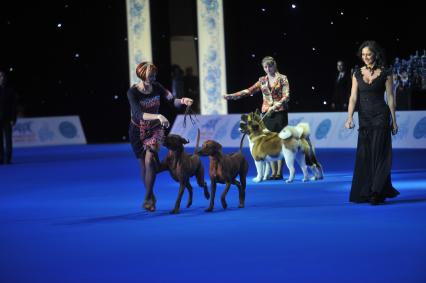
[[183, 141], [244, 117], [218, 145], [257, 112], [243, 127], [249, 117]]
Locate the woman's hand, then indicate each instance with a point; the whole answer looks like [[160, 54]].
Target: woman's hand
[[394, 128], [186, 101], [228, 97], [163, 121], [349, 124]]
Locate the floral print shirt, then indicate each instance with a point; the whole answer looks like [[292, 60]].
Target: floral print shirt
[[277, 95]]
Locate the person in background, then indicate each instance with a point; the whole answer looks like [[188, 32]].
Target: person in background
[[8, 111], [191, 88], [342, 88]]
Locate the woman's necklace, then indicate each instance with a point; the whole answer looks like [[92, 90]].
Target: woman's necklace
[[371, 69]]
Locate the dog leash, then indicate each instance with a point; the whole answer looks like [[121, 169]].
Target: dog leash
[[264, 116], [192, 116]]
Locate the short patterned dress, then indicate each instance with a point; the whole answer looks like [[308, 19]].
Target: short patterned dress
[[144, 133]]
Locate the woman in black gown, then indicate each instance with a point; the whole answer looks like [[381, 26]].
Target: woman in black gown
[[371, 180]]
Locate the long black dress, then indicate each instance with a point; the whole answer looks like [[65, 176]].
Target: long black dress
[[374, 150]]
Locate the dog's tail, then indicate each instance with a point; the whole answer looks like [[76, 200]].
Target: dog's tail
[[242, 142], [197, 143], [303, 129]]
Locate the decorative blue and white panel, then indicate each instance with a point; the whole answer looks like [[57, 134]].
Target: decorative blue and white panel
[[138, 35], [211, 46]]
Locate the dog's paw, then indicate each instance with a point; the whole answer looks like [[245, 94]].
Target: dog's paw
[[289, 180], [257, 179], [188, 205], [174, 211], [305, 179], [241, 205], [210, 209]]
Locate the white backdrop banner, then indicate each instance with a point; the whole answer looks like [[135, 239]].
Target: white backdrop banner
[[138, 35], [327, 129], [48, 131], [211, 54]]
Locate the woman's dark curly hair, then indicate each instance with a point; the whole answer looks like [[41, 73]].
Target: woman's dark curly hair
[[379, 54]]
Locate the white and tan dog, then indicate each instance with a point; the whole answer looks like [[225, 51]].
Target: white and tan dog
[[292, 144]]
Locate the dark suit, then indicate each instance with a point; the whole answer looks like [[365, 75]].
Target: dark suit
[[342, 91], [7, 119]]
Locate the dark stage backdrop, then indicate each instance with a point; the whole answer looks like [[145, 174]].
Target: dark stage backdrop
[[70, 57]]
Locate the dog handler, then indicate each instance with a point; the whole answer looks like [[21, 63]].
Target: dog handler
[[146, 130], [276, 95]]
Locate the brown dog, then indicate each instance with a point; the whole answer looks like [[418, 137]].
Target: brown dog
[[224, 168], [182, 166]]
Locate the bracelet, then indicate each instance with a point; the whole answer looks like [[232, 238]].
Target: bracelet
[[158, 116], [182, 100]]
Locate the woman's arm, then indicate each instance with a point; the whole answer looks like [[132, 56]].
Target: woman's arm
[[135, 108], [349, 124], [391, 103], [243, 93], [177, 102]]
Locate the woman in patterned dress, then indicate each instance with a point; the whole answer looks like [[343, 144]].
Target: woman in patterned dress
[[146, 130], [276, 95]]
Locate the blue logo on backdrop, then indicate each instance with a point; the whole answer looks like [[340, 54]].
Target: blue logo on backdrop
[[45, 133], [220, 133], [420, 129], [68, 130], [235, 132], [211, 124], [23, 128], [323, 129]]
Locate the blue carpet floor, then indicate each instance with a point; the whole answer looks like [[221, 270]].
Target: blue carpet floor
[[72, 214]]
